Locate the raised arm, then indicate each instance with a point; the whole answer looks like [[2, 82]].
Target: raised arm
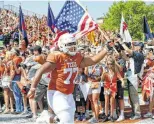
[[88, 61], [126, 48]]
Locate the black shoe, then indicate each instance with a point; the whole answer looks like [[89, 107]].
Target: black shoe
[[111, 119], [101, 116], [105, 118]]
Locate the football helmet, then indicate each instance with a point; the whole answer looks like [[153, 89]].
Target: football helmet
[[67, 42]]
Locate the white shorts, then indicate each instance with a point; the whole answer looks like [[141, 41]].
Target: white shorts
[[98, 90], [59, 101]]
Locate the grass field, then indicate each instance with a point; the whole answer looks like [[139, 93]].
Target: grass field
[[1, 43]]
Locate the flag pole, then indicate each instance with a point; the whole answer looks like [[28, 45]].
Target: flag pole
[[19, 35], [102, 33], [48, 26], [98, 26], [18, 27]]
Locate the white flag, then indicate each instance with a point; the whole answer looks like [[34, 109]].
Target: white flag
[[85, 89], [124, 33]]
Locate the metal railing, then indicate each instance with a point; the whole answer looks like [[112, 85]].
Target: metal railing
[[16, 10]]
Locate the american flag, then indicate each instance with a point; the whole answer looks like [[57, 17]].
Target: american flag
[[73, 18]]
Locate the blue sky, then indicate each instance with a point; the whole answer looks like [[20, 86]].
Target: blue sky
[[95, 8]]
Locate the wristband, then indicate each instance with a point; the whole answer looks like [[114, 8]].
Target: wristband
[[32, 89]]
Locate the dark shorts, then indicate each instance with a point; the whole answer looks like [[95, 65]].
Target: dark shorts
[[101, 97], [82, 102], [41, 91], [120, 91]]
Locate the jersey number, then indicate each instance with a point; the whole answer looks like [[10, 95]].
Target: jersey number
[[71, 71]]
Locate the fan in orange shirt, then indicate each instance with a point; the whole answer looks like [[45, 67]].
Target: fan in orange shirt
[[64, 65], [15, 56], [2, 68], [8, 95], [15, 60], [38, 57]]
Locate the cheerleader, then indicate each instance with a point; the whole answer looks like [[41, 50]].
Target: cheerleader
[[110, 87], [148, 83]]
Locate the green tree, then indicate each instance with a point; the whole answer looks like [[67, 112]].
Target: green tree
[[133, 12]]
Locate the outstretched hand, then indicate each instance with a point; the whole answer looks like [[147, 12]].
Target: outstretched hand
[[31, 94]]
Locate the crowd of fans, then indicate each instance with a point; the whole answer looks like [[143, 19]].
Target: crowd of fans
[[107, 79]]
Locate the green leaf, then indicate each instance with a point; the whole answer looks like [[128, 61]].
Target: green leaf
[[133, 12]]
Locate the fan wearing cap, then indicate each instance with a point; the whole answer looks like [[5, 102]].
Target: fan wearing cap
[[135, 64], [64, 65], [138, 46]]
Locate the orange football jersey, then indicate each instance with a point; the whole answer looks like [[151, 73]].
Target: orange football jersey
[[63, 77]]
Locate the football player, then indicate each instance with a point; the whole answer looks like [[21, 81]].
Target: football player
[[64, 65]]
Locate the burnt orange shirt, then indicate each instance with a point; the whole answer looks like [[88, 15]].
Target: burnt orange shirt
[[17, 60], [2, 69], [40, 59], [63, 77]]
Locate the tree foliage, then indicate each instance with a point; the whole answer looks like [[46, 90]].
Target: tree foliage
[[133, 12]]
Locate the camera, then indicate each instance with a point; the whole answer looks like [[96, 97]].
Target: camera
[[119, 47], [23, 66], [118, 36]]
